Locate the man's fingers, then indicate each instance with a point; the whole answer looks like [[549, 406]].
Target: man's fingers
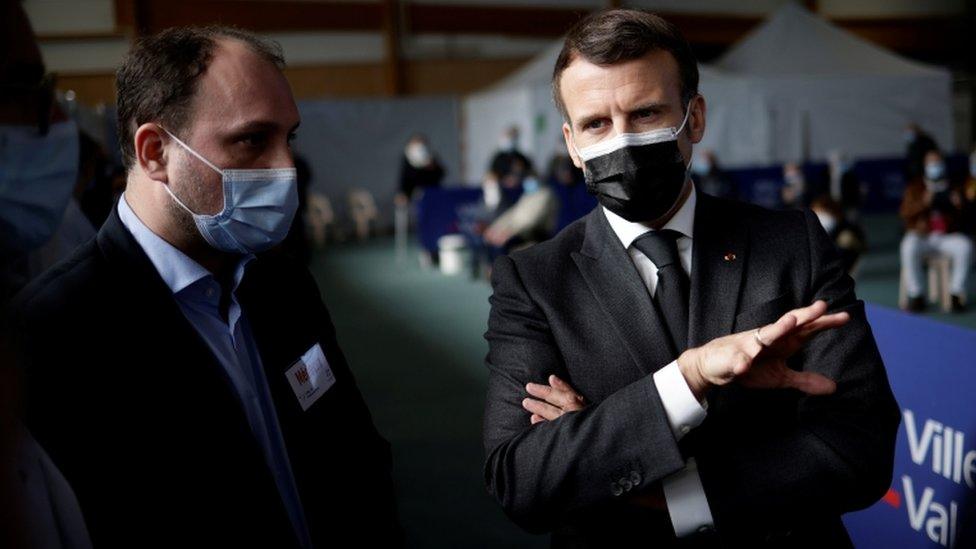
[[770, 333], [570, 398], [791, 321], [560, 394], [825, 322], [536, 418], [538, 390], [810, 313], [810, 383], [559, 384], [544, 409]]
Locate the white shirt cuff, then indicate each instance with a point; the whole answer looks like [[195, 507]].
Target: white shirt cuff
[[680, 405], [686, 500]]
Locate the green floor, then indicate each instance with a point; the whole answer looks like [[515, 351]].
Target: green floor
[[414, 339]]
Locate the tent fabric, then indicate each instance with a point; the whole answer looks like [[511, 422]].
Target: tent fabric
[[812, 88], [794, 89], [794, 41]]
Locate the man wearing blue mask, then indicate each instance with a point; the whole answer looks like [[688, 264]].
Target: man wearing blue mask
[[675, 369], [188, 383]]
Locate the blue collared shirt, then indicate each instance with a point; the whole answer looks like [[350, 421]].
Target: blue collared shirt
[[198, 295]]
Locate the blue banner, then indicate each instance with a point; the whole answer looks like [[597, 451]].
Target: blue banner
[[932, 500]]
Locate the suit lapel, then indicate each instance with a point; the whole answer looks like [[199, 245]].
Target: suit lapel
[[718, 261], [617, 286], [151, 297], [138, 276]]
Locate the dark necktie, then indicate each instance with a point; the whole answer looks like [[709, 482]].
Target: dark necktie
[[671, 294]]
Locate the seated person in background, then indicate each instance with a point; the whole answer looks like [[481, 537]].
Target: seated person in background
[[845, 187], [932, 211], [711, 178], [531, 219], [794, 190], [848, 236], [509, 164], [419, 169], [969, 197], [474, 219]]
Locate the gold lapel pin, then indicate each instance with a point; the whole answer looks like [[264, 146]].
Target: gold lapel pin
[[729, 256]]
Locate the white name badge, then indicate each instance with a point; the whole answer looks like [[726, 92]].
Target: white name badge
[[310, 376]]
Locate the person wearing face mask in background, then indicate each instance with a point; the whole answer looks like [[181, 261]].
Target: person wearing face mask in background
[[183, 374], [419, 170], [530, 220], [710, 177], [843, 186], [638, 393], [794, 190], [75, 227], [846, 235], [932, 210], [38, 169], [509, 165]]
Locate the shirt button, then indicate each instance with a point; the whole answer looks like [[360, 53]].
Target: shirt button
[[685, 429], [635, 478], [210, 292], [616, 489]]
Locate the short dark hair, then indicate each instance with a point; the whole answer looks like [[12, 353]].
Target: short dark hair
[[608, 37], [158, 78]]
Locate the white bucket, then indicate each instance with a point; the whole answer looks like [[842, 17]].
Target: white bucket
[[453, 253]]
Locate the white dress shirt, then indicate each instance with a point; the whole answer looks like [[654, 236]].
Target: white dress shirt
[[683, 490]]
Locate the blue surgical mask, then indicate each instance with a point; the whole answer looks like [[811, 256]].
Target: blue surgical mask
[[259, 206], [934, 171], [37, 176], [530, 185]]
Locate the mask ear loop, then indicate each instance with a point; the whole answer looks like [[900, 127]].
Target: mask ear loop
[[683, 122], [193, 152], [685, 119], [578, 155], [205, 161]]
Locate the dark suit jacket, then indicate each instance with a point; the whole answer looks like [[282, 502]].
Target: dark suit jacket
[[142, 420], [777, 467]]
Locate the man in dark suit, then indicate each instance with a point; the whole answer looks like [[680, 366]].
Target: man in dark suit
[[665, 372], [191, 388]]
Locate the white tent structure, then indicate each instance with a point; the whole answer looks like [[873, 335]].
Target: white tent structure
[[808, 87], [795, 88]]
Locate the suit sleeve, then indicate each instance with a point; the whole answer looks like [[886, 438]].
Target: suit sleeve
[[542, 474], [837, 456], [374, 501]]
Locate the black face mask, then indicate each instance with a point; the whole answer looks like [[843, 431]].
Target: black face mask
[[636, 176]]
